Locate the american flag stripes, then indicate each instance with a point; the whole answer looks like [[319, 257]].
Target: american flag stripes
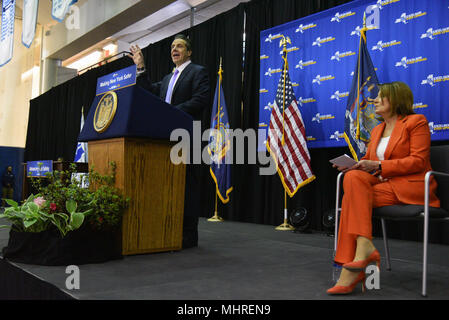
[[287, 139]]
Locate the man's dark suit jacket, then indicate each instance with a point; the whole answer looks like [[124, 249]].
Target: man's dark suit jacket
[[191, 93]]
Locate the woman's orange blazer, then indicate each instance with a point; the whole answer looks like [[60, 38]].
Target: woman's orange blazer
[[407, 159]]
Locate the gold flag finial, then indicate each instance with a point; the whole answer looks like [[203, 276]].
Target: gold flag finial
[[283, 43]]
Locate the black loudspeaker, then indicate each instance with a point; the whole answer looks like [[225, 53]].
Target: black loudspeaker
[[328, 221], [300, 219]]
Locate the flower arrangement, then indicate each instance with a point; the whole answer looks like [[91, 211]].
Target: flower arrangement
[[66, 205]]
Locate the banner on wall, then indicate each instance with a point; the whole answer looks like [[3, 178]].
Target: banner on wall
[[408, 41], [60, 8], [30, 9], [7, 31]]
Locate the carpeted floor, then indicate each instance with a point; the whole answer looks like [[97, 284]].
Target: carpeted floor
[[242, 261]]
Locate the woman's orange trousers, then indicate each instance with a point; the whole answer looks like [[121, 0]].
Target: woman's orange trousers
[[362, 193]]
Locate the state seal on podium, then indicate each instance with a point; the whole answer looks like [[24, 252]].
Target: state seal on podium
[[105, 111]]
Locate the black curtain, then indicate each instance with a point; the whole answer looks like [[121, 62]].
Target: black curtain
[[55, 116]]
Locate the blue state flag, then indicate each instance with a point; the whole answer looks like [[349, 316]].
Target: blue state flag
[[220, 144], [81, 156], [81, 149], [360, 117]]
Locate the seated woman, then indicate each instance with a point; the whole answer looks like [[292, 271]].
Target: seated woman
[[392, 172]]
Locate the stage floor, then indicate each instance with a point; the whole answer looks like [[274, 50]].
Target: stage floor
[[243, 261]]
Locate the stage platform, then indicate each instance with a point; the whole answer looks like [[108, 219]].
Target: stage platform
[[234, 261]]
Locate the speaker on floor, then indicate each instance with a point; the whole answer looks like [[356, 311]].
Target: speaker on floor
[[300, 219]]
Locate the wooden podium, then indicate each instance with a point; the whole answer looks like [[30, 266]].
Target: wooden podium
[[145, 174], [137, 140]]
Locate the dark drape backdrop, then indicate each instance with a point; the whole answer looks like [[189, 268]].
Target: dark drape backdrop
[[54, 116]]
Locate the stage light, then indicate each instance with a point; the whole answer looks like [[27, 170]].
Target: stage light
[[110, 49], [300, 219], [86, 61]]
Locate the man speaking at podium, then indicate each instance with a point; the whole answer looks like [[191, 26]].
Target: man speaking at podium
[[188, 89]]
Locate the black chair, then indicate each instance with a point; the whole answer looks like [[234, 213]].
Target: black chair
[[439, 158]]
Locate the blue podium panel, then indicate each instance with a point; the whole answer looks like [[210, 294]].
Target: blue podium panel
[[135, 113]]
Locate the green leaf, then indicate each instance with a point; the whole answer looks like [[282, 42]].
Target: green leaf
[[76, 220], [87, 212], [33, 207], [71, 206], [12, 203], [29, 223], [58, 225], [63, 216]]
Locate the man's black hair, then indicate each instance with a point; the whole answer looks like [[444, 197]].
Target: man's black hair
[[187, 41]]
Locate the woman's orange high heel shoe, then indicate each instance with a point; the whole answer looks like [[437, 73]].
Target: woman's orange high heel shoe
[[350, 288], [361, 265]]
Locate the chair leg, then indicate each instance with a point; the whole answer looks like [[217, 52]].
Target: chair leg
[[425, 242], [387, 250]]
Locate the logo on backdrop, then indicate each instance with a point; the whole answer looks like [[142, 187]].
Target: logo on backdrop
[[339, 16], [382, 45], [420, 105], [339, 95], [406, 62], [303, 28], [302, 101], [318, 42], [434, 128], [269, 106], [272, 37], [356, 31], [319, 117], [405, 18], [318, 79], [381, 3], [431, 34], [337, 55], [337, 136], [301, 64], [105, 112], [271, 71], [433, 81]]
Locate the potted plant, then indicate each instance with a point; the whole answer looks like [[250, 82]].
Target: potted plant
[[66, 223]]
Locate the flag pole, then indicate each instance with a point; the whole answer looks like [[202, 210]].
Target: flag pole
[[284, 226], [216, 217]]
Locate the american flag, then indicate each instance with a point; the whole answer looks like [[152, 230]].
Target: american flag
[[292, 157]]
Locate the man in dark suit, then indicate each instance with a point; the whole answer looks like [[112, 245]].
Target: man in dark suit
[[188, 89]]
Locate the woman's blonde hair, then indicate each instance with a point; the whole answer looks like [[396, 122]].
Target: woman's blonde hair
[[400, 97]]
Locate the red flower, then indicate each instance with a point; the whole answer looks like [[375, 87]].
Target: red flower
[[53, 206], [100, 219]]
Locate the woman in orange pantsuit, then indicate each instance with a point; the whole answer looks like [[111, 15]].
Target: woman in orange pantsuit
[[391, 172]]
